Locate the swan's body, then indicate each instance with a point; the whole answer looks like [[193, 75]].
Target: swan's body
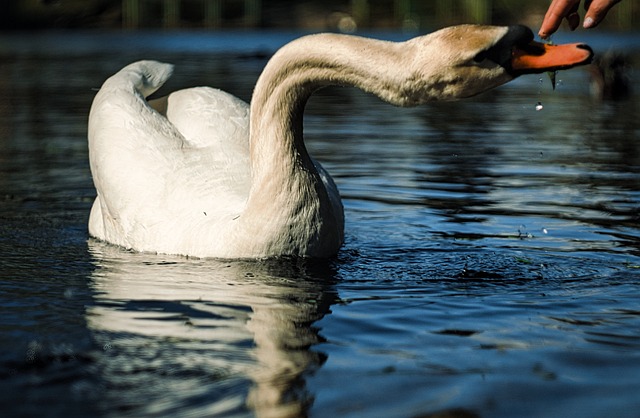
[[202, 174]]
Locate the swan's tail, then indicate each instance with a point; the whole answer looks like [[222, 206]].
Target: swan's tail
[[146, 76]]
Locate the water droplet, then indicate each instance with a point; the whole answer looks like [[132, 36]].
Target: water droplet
[[544, 231], [539, 106], [552, 77], [523, 233]]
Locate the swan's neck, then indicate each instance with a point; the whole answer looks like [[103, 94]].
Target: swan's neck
[[293, 74], [286, 186]]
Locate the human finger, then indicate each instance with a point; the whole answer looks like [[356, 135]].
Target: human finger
[[573, 18], [558, 10], [596, 11]]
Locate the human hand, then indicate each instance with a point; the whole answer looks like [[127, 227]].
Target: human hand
[[568, 9]]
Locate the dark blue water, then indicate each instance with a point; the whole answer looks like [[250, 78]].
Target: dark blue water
[[491, 265]]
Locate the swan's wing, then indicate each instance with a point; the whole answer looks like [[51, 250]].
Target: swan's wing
[[209, 117], [215, 127], [131, 146], [152, 180]]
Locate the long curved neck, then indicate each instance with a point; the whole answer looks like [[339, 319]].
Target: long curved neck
[[288, 80], [294, 73], [286, 186]]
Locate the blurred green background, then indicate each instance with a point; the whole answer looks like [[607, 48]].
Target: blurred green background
[[342, 15]]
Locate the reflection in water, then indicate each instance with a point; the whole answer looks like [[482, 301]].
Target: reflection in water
[[168, 324]]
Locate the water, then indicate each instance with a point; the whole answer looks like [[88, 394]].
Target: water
[[491, 265]]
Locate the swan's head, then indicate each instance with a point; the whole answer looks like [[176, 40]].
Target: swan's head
[[462, 61]]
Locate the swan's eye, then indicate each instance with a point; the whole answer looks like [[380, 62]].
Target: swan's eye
[[481, 56]]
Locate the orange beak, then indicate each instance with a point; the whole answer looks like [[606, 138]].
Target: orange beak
[[537, 57]]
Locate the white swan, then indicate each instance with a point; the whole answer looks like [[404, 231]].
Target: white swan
[[202, 174]]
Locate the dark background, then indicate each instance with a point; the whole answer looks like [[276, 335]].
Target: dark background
[[346, 15]]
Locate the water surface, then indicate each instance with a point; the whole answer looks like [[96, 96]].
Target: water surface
[[491, 265]]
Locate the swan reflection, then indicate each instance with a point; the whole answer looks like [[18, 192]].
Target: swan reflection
[[179, 333]]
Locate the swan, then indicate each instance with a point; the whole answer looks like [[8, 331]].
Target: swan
[[201, 173]]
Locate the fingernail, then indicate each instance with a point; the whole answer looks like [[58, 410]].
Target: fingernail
[[588, 22]]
